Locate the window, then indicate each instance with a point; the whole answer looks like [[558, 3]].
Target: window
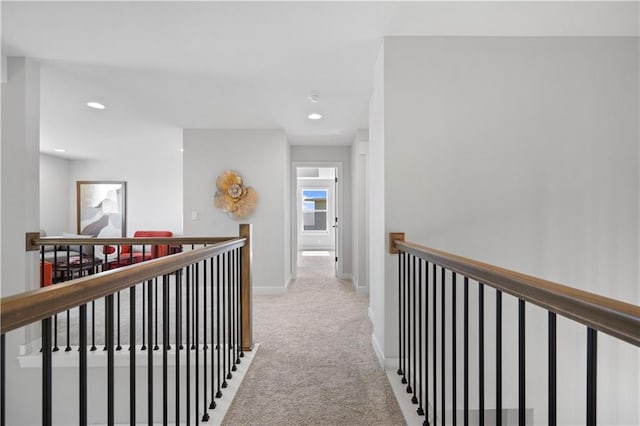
[[314, 209]]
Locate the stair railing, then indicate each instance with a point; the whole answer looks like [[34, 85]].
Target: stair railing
[[428, 299], [202, 310]]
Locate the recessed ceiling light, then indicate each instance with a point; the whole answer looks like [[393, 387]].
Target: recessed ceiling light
[[181, 149], [96, 105], [59, 150], [314, 97], [314, 116]]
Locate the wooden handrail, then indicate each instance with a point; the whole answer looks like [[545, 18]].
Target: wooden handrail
[[25, 308], [616, 318], [34, 241]]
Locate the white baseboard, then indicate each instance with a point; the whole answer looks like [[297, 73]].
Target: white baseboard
[[370, 314], [377, 349], [357, 287], [348, 277]]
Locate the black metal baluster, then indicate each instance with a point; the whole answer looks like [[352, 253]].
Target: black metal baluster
[[132, 355], [178, 340], [205, 406], [521, 365], [552, 370], [229, 348], [144, 316], [466, 351], [187, 340], [435, 345], [420, 410], [235, 311], [55, 317], [224, 356], [82, 385], [165, 348], [219, 280], [68, 348], [240, 298], [3, 382], [407, 364], [443, 322], [414, 399], [498, 357], [150, 354], [481, 352], [592, 376], [193, 310], [46, 373], [238, 305], [426, 344], [196, 338], [179, 299], [93, 326], [454, 414], [155, 346], [214, 283], [400, 317], [118, 347], [110, 359]]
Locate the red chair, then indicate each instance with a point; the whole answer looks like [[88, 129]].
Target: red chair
[[133, 254]]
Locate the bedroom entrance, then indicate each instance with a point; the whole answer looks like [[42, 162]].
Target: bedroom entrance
[[317, 219]]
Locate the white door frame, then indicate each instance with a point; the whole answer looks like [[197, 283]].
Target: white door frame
[[294, 212]]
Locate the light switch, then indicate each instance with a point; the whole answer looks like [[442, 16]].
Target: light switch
[[194, 215]]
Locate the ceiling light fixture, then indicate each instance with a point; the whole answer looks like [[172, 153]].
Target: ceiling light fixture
[[314, 116], [59, 150], [314, 97], [95, 105]]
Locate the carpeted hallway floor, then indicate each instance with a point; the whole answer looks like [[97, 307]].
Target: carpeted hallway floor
[[315, 365]]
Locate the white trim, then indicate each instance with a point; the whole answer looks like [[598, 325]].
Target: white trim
[[370, 314], [346, 276], [377, 350], [408, 409], [339, 165]]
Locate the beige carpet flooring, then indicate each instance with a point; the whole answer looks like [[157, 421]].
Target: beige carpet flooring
[[315, 365]]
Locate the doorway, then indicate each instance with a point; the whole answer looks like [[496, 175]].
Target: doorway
[[317, 216]]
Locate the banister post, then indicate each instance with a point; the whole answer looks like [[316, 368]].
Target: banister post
[[393, 237], [247, 301]]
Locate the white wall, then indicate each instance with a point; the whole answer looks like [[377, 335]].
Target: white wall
[[20, 214], [360, 214], [521, 152], [378, 309], [154, 189], [261, 157], [54, 194], [332, 154]]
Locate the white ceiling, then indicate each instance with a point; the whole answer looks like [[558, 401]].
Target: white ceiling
[[163, 66]]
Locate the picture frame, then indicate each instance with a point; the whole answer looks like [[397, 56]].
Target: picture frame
[[101, 208]]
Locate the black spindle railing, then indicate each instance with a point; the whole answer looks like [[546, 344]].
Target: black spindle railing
[[430, 323], [169, 309]]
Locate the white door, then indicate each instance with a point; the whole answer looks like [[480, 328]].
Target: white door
[[336, 223]]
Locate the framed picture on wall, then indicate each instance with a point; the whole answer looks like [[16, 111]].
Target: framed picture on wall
[[101, 208]]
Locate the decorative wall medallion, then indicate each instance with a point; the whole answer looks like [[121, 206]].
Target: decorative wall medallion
[[233, 196]]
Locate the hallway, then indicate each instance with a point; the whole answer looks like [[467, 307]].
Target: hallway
[[315, 364]]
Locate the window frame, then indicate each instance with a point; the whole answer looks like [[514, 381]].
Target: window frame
[[325, 210]]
